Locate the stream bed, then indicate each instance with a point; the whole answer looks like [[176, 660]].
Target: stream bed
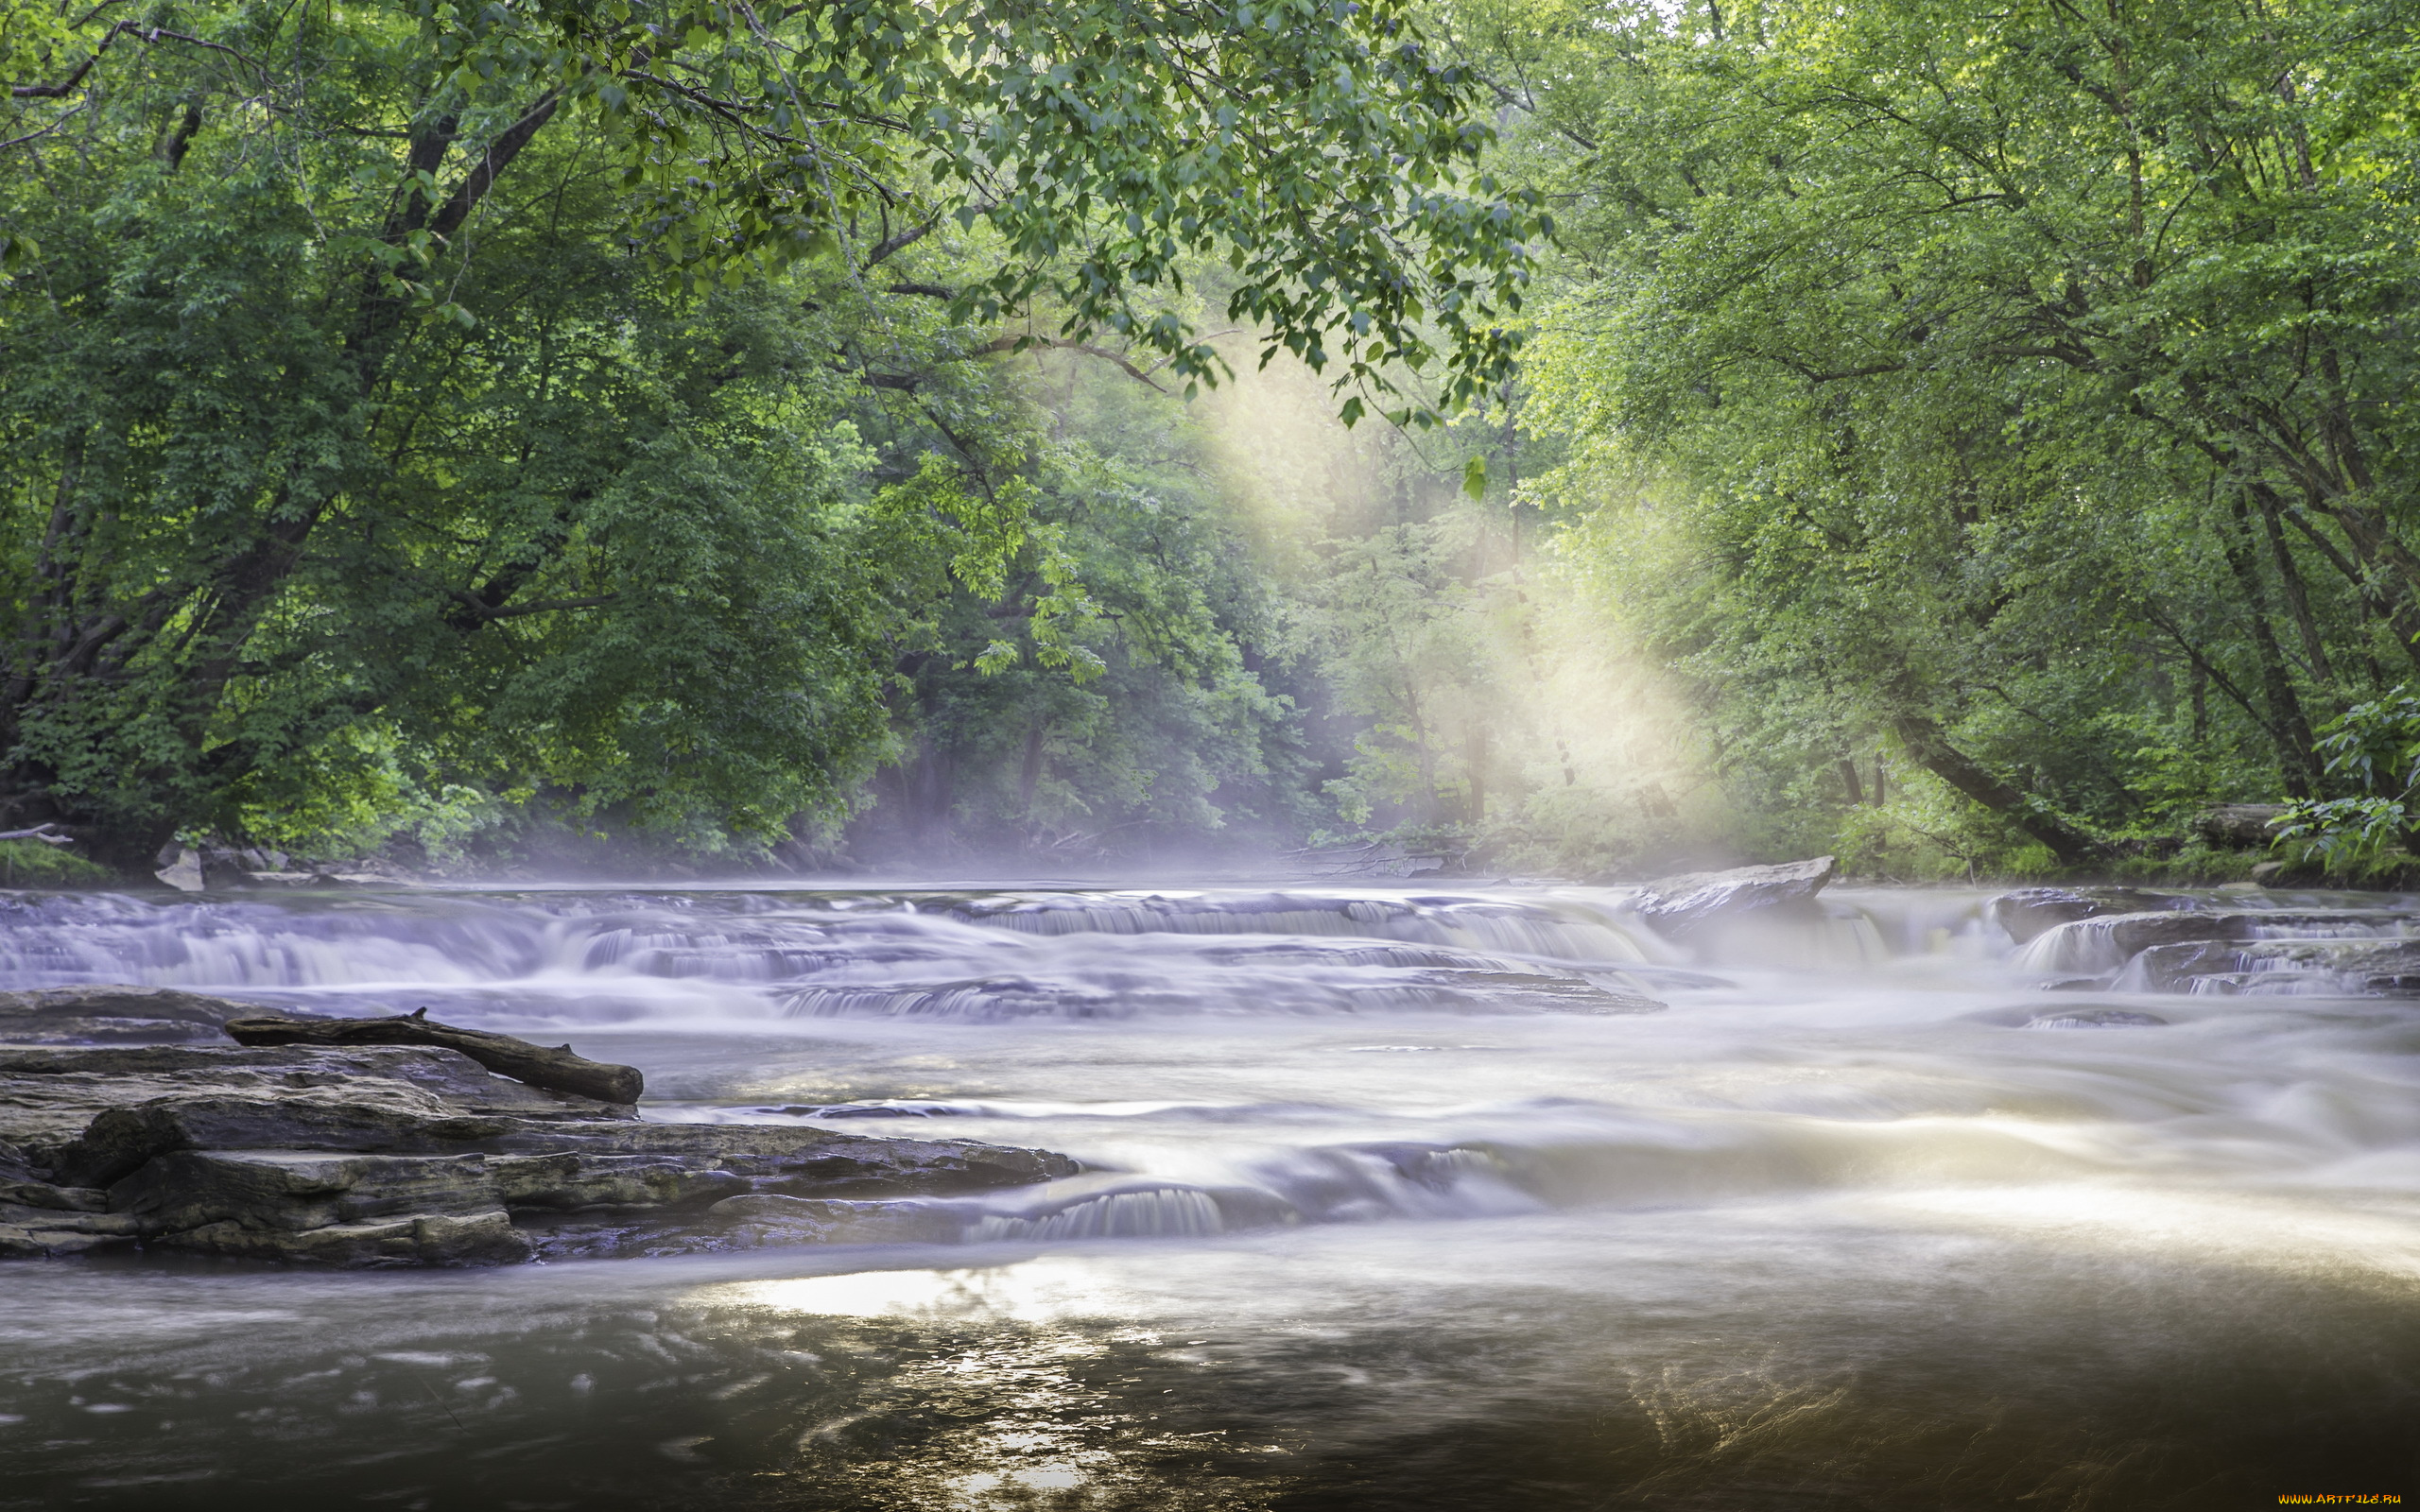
[[1395, 1198]]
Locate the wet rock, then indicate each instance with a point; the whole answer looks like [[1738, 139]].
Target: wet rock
[[1002, 999], [804, 1162], [115, 1015], [1482, 991], [32, 1232], [574, 1182], [288, 1192], [2130, 934], [1690, 905], [2348, 968], [51, 1198], [2030, 911], [49, 1095], [366, 1115], [2148, 946], [421, 1239], [1184, 914], [2184, 967], [774, 1219], [413, 1156], [2095, 1019]]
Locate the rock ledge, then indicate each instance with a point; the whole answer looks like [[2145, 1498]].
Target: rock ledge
[[374, 1154]]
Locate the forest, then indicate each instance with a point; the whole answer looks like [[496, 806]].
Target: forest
[[1559, 438]]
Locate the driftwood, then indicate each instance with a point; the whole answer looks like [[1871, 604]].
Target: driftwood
[[555, 1070]]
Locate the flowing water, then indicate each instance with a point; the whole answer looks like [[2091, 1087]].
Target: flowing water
[[1395, 1200]]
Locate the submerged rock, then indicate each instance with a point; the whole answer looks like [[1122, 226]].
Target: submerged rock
[[2097, 1019], [377, 1156], [1691, 905]]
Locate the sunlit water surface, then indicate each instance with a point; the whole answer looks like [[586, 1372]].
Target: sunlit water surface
[[1398, 1200]]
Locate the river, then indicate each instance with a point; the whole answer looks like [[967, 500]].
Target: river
[[1397, 1199]]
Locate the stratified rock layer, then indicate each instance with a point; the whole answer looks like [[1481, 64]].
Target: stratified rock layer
[[2169, 942], [2030, 912], [115, 1015], [1696, 905], [382, 1156]]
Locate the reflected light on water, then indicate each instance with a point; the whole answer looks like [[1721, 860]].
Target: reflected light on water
[[1033, 1291], [2275, 1234]]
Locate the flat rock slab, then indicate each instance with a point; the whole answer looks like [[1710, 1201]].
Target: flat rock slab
[[49, 1094], [379, 1155], [1690, 905], [115, 1015]]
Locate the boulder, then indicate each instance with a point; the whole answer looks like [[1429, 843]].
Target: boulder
[[2239, 826], [1696, 903], [180, 870], [115, 1015], [2029, 911]]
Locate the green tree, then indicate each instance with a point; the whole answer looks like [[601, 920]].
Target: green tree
[[2032, 381], [491, 384]]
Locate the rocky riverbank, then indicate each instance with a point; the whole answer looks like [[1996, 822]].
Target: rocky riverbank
[[375, 1155], [2220, 942]]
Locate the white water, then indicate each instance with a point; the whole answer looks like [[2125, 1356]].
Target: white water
[[1397, 1198]]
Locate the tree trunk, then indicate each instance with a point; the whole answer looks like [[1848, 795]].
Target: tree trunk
[[2297, 764], [1929, 745], [555, 1070], [1849, 780]]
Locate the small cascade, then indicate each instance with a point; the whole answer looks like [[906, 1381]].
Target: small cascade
[[1566, 930], [2209, 950], [583, 956], [1160, 1213], [2082, 946]]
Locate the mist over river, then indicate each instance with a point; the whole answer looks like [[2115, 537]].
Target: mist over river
[[1394, 1198]]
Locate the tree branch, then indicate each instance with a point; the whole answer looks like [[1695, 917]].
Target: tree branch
[[498, 157], [1015, 343]]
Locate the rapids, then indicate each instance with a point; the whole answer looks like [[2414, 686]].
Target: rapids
[[1396, 1198]]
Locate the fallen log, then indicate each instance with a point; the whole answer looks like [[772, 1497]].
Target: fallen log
[[555, 1070]]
